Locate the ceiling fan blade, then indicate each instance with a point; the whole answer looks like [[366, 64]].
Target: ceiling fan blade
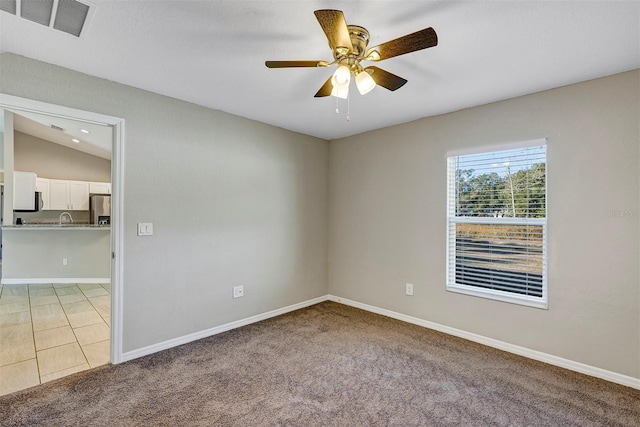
[[385, 79], [406, 44], [335, 27], [290, 64], [325, 90]]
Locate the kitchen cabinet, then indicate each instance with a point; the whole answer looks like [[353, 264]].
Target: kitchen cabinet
[[68, 195], [24, 190], [42, 185], [99, 188]]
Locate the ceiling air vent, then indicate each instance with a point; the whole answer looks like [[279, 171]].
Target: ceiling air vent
[[69, 16], [8, 6], [37, 11], [57, 128]]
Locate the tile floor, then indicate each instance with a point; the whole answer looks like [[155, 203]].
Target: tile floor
[[49, 331]]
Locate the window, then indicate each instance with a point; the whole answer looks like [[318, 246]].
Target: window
[[497, 224]]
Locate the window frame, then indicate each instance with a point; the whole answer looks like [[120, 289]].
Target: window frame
[[492, 294]]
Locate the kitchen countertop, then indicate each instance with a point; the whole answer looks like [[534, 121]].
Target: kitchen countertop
[[56, 227]]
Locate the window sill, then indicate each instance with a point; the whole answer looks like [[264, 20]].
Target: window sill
[[500, 296]]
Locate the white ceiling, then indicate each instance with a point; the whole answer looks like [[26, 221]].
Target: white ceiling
[[212, 53], [97, 141]]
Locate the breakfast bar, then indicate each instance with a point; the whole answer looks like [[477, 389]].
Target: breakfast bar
[[54, 253]]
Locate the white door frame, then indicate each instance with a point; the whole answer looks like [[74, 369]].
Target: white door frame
[[117, 195]]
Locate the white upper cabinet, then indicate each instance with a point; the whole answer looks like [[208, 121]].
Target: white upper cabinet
[[78, 195], [24, 190], [42, 185], [68, 195], [99, 188], [58, 195]]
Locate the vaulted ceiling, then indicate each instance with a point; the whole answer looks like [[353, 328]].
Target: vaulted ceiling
[[212, 53]]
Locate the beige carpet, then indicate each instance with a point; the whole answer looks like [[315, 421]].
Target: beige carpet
[[326, 365]]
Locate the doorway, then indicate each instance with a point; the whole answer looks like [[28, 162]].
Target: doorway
[[96, 290]]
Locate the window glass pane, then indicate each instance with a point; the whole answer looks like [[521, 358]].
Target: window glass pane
[[501, 257], [508, 183]]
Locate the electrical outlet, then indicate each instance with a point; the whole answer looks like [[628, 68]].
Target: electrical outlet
[[409, 289], [238, 291], [64, 261]]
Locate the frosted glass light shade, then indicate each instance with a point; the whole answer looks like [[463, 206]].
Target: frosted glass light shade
[[364, 83], [340, 82], [340, 92], [341, 77]]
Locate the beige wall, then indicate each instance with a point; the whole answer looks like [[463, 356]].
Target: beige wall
[[235, 202], [232, 202], [388, 215], [51, 160]]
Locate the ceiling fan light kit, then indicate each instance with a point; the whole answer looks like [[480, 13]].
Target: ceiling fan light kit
[[349, 45], [364, 82]]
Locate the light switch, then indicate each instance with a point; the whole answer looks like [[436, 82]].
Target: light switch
[[145, 229]]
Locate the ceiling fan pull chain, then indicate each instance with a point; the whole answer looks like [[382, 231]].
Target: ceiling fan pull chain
[[337, 109], [348, 107]]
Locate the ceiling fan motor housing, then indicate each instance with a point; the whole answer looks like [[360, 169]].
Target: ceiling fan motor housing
[[351, 58], [359, 39]]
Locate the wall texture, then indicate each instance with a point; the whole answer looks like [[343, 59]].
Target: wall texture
[[232, 201], [37, 254], [388, 214], [51, 160]]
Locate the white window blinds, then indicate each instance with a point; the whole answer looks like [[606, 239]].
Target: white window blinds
[[496, 224]]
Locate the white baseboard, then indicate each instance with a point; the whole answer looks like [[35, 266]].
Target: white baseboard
[[144, 351], [501, 345], [41, 281]]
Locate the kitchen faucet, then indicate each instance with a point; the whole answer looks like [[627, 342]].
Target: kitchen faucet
[[68, 214]]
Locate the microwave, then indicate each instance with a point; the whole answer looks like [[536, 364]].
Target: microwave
[[37, 205]]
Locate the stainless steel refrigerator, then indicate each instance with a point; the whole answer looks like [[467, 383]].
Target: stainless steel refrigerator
[[100, 209]]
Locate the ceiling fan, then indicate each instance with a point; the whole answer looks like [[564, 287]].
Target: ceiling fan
[[349, 44]]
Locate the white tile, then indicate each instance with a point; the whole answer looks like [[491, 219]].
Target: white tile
[[17, 344], [67, 299], [16, 290], [59, 358], [95, 292], [43, 300], [64, 373], [85, 318], [39, 285], [104, 311], [15, 307], [100, 300], [92, 333], [8, 319], [77, 307], [87, 286], [19, 376], [14, 299], [97, 353], [68, 290], [48, 317], [53, 337], [62, 285], [41, 292]]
